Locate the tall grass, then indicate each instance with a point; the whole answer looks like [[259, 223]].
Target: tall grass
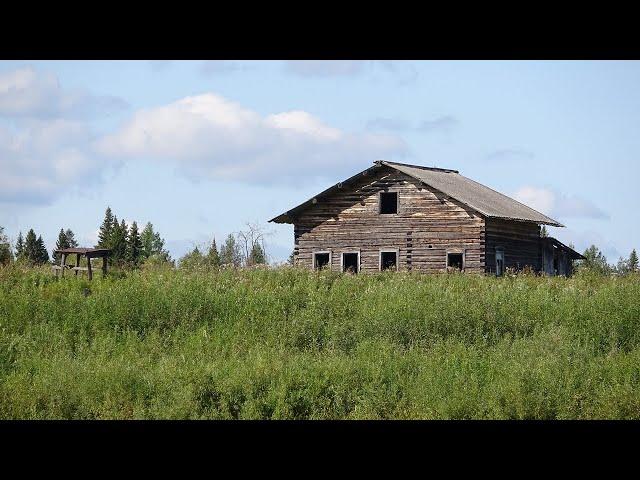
[[290, 343]]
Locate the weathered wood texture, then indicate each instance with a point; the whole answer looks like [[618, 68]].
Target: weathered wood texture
[[428, 225], [519, 240]]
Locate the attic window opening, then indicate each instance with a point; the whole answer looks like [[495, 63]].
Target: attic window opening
[[388, 202], [455, 261], [321, 260], [388, 260]]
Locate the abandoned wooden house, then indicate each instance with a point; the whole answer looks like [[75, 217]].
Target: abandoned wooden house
[[414, 218]]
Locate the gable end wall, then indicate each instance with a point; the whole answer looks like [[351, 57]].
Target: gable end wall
[[428, 224]]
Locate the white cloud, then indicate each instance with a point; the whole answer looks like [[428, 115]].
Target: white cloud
[[208, 135], [26, 92], [40, 161], [555, 204]]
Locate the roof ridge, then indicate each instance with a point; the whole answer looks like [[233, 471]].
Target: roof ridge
[[437, 169]]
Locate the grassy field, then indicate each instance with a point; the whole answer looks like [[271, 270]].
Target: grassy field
[[294, 344]]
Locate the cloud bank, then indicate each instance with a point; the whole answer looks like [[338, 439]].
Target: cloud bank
[[555, 204], [210, 136], [28, 93]]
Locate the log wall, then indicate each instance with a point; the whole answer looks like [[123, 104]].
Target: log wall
[[427, 226], [519, 240]]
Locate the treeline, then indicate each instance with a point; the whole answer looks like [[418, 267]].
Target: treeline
[[29, 250], [597, 262], [129, 246], [242, 249]]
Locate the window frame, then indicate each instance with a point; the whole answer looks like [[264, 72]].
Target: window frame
[[342, 254], [320, 252], [380, 202], [456, 251], [499, 250], [389, 250]]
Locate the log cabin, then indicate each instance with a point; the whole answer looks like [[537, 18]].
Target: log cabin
[[415, 218]]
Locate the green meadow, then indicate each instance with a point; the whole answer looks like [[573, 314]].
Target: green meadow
[[285, 343]]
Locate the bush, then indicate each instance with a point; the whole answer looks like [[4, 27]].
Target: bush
[[291, 343]]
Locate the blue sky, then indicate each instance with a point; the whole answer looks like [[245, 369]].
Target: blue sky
[[200, 148]]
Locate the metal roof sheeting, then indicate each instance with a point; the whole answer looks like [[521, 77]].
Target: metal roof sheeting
[[483, 199]]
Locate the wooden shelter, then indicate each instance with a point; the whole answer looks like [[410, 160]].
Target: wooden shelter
[[88, 253], [409, 217]]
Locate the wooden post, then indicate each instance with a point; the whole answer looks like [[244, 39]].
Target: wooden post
[[104, 266], [63, 258], [89, 267], [77, 262]]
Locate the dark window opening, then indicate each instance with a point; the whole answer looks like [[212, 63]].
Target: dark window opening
[[388, 202], [350, 262], [320, 261], [388, 261], [454, 260]]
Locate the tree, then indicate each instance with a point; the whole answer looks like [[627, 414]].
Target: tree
[[622, 266], [543, 231], [71, 238], [134, 245], [6, 255], [118, 242], [153, 244], [595, 260], [257, 256], [20, 247], [31, 247], [192, 259], [42, 255], [230, 252], [213, 257], [106, 229], [292, 258], [252, 242], [61, 243], [633, 261]]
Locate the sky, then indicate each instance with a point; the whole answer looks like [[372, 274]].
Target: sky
[[200, 148]]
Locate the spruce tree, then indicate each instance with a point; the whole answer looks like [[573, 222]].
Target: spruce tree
[[61, 244], [31, 253], [633, 261], [543, 231], [257, 256], [20, 247], [134, 245], [42, 255], [213, 257], [118, 241], [106, 230]]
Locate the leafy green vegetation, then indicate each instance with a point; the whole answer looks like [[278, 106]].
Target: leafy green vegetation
[[288, 343]]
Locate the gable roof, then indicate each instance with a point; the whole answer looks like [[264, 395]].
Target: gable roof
[[480, 198]]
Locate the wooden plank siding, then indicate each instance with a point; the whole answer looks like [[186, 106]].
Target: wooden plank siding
[[519, 240], [428, 225]]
